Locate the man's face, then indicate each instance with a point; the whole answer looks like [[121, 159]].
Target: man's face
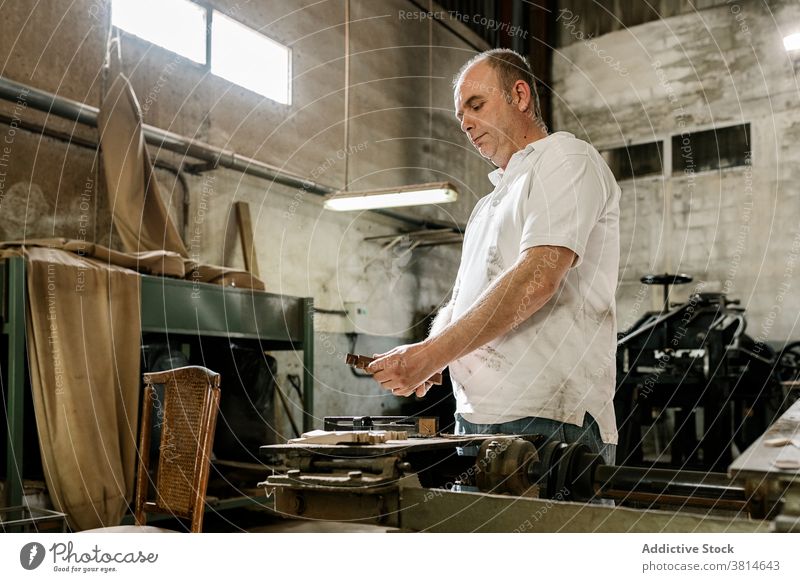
[[485, 115]]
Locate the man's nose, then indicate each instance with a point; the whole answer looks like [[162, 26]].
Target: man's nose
[[466, 124]]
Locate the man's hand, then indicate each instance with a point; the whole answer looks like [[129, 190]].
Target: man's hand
[[406, 370]]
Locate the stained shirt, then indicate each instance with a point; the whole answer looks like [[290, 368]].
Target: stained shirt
[[560, 362]]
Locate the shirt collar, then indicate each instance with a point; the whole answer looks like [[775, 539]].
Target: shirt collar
[[497, 175]]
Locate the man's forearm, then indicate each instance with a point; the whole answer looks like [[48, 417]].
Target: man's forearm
[[516, 295], [442, 319]]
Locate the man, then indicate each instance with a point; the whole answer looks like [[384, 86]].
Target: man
[[530, 331]]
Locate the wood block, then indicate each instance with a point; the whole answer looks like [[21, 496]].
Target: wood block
[[361, 362]]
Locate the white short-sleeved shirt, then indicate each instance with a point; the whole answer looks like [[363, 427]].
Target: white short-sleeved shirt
[[559, 363]]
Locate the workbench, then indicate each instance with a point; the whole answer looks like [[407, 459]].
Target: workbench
[[178, 309]]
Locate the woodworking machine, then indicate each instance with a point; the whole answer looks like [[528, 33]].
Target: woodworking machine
[[515, 483]]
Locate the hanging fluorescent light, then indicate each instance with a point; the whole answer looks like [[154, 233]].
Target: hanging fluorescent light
[[791, 42], [414, 195]]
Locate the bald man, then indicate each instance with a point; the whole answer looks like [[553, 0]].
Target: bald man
[[529, 333]]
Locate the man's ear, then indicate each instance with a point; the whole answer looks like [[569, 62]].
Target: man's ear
[[522, 95]]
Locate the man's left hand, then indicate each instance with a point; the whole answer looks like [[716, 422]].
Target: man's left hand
[[405, 370]]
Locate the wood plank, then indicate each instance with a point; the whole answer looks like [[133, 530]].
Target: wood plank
[[245, 225]]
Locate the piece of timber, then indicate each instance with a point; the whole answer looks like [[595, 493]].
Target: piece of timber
[[415, 426], [245, 224], [361, 362], [359, 437], [440, 443]]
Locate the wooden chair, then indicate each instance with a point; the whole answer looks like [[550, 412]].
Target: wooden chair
[[188, 419]]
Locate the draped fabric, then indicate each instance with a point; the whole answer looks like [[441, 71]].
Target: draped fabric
[[83, 336], [138, 211]]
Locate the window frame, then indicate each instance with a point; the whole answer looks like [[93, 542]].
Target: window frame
[[206, 66], [665, 139]]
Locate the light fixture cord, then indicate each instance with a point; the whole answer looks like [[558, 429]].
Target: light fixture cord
[[347, 94], [430, 86]]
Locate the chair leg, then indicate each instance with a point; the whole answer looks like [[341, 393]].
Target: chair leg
[[142, 476]]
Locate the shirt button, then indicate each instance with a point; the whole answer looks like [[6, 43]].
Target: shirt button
[[495, 202]]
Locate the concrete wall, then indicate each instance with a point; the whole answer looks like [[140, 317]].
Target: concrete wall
[[736, 230], [401, 131]]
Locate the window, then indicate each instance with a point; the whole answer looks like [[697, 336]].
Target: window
[[250, 59], [238, 53], [712, 149], [635, 161], [176, 25]]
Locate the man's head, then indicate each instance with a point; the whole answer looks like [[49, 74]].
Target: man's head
[[497, 104]]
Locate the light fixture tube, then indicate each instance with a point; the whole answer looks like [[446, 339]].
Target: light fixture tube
[[414, 195]]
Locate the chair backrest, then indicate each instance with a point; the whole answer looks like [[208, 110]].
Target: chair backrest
[[187, 416]]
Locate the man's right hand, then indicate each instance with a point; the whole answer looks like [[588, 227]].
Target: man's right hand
[[422, 389], [407, 369]]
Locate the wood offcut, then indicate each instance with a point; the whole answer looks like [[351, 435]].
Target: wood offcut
[[361, 362], [245, 225]]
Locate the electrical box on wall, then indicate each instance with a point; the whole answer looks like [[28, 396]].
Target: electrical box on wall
[[356, 317]]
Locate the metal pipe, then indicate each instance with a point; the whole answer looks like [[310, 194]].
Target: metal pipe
[[214, 156], [75, 140], [217, 157], [346, 94]]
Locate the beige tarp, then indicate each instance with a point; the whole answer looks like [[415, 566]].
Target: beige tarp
[[83, 327], [150, 262], [139, 214]]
